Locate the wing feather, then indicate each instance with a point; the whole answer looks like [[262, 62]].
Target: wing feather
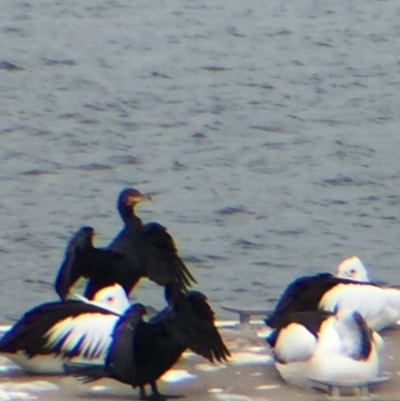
[[163, 261], [82, 259], [200, 330], [57, 327]]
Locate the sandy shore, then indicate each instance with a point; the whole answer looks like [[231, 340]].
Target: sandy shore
[[249, 376]]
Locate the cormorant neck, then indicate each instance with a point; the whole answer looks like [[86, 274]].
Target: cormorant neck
[[126, 212]]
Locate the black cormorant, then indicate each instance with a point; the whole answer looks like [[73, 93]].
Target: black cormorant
[[139, 250], [142, 351]]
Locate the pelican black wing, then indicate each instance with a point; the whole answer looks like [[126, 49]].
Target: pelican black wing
[[29, 333], [303, 294]]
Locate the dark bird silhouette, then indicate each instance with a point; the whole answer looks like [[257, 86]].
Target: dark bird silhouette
[[82, 259], [139, 250], [142, 351]]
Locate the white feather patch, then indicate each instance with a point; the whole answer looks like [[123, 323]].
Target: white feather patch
[[114, 297], [91, 331], [329, 336], [295, 343], [353, 269], [370, 301]]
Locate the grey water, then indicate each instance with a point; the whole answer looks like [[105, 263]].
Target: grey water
[[267, 132]]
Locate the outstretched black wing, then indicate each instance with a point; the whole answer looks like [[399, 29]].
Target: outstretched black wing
[[163, 262], [83, 260], [72, 267], [198, 326]]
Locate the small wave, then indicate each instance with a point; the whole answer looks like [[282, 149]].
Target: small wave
[[125, 159], [192, 259], [216, 68], [8, 66], [338, 181], [231, 210], [94, 167], [245, 244], [267, 128], [36, 172], [55, 62]]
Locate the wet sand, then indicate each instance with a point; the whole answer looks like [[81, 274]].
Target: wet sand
[[249, 376]]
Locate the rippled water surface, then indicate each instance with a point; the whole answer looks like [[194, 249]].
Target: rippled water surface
[[268, 133]]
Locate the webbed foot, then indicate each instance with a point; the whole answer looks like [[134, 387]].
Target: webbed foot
[[156, 395], [162, 397]]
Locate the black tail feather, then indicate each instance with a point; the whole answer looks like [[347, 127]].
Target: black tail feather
[[85, 373]]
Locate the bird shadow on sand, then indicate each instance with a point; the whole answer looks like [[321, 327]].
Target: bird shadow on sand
[[118, 396]]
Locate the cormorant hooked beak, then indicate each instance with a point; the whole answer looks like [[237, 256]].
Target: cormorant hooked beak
[[128, 199], [132, 197]]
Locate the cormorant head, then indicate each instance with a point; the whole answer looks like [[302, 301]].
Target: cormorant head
[[136, 310], [87, 232], [134, 314], [139, 308], [128, 199]]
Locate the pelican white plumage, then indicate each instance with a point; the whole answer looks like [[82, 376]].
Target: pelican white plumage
[[112, 298], [353, 269], [379, 306], [325, 346], [51, 334]]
